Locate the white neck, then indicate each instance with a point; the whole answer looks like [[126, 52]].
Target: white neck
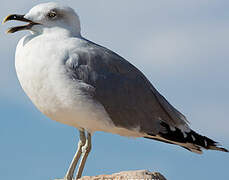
[[59, 31]]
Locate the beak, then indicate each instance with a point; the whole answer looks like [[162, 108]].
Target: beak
[[19, 18]]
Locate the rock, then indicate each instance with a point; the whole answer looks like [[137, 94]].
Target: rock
[[128, 175]]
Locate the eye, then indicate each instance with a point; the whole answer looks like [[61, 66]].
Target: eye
[[51, 14]]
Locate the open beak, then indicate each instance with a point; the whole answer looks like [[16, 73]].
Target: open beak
[[19, 18]]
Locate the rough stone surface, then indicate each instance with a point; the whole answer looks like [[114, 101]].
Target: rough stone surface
[[128, 175]]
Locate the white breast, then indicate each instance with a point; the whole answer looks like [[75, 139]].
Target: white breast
[[40, 70]]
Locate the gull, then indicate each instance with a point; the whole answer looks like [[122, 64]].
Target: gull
[[82, 84]]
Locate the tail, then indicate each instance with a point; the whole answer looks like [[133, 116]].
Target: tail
[[191, 141]]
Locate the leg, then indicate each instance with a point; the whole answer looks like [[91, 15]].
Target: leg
[[85, 151], [81, 143]]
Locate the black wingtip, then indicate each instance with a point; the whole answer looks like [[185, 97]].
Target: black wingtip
[[192, 141], [216, 146]]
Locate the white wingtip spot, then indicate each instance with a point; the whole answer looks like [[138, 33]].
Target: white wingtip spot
[[193, 138], [184, 128], [184, 134], [172, 128], [205, 143]]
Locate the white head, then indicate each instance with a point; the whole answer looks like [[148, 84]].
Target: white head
[[48, 18]]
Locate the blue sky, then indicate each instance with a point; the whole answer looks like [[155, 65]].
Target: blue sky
[[181, 46]]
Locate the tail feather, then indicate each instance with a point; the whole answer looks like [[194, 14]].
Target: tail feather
[[191, 141]]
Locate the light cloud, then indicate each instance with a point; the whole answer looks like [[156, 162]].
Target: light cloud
[[185, 48]]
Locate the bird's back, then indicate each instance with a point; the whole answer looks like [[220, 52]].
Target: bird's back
[[129, 98]]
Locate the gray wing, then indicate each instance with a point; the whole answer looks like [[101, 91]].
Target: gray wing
[[128, 97]]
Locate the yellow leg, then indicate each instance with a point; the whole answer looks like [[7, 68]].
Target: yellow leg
[[71, 169], [85, 151]]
